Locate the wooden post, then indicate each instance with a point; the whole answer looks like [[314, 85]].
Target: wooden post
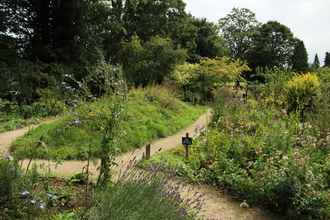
[[187, 146], [148, 151]]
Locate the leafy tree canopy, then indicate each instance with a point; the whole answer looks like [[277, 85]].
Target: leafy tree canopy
[[274, 44], [238, 29], [224, 69], [208, 42], [148, 62]]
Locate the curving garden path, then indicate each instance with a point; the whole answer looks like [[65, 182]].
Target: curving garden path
[[218, 204]]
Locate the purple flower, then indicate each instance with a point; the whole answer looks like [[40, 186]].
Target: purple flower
[[74, 105], [33, 201], [70, 123], [9, 156], [90, 96], [42, 205], [20, 174], [68, 87], [73, 89], [76, 121], [25, 192], [117, 93], [63, 83], [114, 69], [12, 169], [75, 100], [58, 129], [50, 195]]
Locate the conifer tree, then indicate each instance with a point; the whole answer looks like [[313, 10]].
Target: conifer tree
[[299, 58], [316, 62], [327, 59]]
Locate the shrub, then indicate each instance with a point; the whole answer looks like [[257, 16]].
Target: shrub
[[153, 193], [299, 91]]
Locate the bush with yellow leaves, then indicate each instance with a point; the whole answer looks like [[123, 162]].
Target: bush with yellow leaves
[[300, 90]]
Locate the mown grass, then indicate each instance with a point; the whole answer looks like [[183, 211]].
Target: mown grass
[[149, 113]]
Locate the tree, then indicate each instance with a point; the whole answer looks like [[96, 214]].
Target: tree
[[327, 59], [238, 29], [273, 46], [208, 42], [146, 19], [299, 58], [55, 31], [316, 62], [144, 63], [115, 30], [224, 69]]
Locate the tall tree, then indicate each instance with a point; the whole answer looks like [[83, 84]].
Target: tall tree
[[316, 62], [55, 31], [148, 18], [115, 31], [238, 29], [208, 42], [299, 58], [151, 61], [327, 59], [274, 44]]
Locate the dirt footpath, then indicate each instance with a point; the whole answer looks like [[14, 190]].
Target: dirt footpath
[[218, 205]]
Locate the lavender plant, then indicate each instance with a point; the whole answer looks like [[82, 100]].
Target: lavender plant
[[153, 193]]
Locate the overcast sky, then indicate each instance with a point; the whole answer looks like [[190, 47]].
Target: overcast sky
[[308, 20]]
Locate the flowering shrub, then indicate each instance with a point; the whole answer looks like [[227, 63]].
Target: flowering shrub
[[225, 103]]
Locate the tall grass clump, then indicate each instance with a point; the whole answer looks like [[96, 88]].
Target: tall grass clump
[[152, 193]]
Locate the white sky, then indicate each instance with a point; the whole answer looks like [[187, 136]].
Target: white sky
[[308, 20]]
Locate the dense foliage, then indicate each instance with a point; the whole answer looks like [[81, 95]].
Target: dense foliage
[[266, 155], [268, 142]]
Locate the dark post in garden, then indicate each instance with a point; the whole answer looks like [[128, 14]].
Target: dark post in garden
[[147, 151], [187, 141], [246, 92]]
